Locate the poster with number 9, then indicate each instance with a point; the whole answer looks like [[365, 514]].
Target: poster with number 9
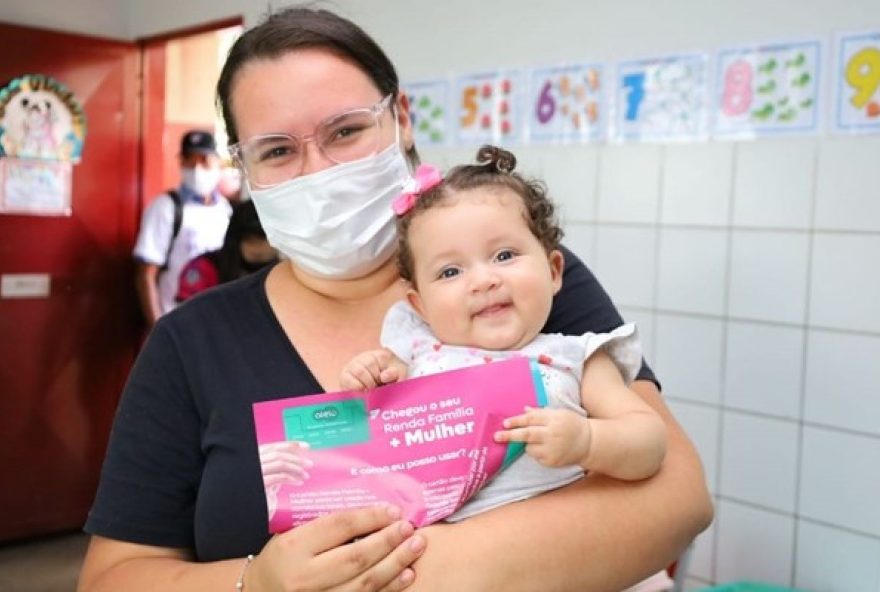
[[488, 108], [768, 89], [429, 111], [858, 83], [566, 104], [661, 99]]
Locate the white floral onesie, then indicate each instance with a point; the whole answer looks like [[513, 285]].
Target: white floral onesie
[[560, 358]]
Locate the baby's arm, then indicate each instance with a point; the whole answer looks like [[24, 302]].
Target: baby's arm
[[623, 437], [370, 369]]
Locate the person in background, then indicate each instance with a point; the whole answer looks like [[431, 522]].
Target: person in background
[[180, 225], [245, 250], [230, 185], [317, 122]]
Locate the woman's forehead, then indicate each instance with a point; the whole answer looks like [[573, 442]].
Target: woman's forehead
[[298, 89]]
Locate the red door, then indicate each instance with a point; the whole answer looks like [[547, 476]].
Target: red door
[[64, 357]]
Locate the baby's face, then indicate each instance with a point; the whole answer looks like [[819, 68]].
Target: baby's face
[[484, 280]]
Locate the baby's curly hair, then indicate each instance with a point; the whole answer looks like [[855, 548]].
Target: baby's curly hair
[[494, 169]]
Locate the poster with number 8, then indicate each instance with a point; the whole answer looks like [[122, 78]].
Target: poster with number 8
[[566, 104], [428, 111], [858, 83], [488, 108], [767, 90], [661, 99]]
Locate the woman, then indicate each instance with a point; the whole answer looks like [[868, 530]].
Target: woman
[[319, 128]]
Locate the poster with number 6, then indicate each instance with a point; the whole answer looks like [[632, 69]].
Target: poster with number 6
[[488, 108], [857, 83], [768, 89], [566, 104], [429, 111], [661, 99]]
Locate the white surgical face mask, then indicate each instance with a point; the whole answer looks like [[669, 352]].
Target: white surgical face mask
[[203, 181], [336, 223]]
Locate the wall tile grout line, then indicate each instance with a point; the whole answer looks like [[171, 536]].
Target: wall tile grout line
[[799, 454], [796, 517]]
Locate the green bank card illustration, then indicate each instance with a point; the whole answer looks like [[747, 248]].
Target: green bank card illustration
[[328, 425]]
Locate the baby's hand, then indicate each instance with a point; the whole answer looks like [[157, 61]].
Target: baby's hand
[[371, 369], [553, 437]]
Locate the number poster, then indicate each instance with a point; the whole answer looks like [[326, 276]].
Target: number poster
[[566, 104], [661, 99], [428, 111], [488, 109], [768, 89], [857, 93]]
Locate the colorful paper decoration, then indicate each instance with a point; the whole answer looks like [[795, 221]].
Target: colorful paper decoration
[[769, 89], [857, 104], [566, 104], [40, 118], [428, 111], [661, 99], [35, 186], [488, 108]]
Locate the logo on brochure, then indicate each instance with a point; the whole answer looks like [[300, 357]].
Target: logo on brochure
[[327, 425], [325, 413]]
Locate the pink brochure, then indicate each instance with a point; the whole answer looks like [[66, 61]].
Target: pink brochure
[[425, 444]]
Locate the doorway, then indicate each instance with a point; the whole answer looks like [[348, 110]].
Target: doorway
[[65, 353]]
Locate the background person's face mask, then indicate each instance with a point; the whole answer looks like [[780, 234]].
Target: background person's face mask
[[336, 223], [201, 180]]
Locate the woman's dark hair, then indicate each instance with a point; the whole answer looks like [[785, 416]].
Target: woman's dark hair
[[300, 28], [243, 224], [495, 170]]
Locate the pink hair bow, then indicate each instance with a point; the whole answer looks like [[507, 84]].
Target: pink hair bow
[[426, 177]]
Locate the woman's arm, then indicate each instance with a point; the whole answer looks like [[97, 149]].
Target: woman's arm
[[597, 534], [315, 556]]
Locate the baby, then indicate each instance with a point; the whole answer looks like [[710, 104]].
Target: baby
[[479, 250]]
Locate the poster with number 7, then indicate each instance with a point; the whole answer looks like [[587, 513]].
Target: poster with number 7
[[857, 90], [488, 108], [566, 104], [661, 99]]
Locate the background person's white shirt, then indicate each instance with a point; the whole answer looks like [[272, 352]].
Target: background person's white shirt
[[202, 229]]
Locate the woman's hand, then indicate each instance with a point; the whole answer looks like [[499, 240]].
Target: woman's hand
[[328, 553]]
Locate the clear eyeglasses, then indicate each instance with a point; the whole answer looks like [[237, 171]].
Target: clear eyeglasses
[[272, 159]]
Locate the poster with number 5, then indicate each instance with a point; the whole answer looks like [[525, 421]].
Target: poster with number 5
[[661, 99], [566, 104], [488, 108], [767, 90], [858, 83]]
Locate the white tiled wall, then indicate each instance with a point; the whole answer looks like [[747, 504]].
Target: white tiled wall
[[773, 186], [753, 544], [845, 264], [625, 263], [629, 183], [692, 270], [756, 267]]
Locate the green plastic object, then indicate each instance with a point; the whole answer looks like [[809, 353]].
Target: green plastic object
[[747, 587]]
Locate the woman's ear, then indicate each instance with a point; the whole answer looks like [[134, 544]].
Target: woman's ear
[[404, 122], [557, 264]]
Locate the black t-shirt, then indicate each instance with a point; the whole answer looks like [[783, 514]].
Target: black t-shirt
[[182, 468]]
